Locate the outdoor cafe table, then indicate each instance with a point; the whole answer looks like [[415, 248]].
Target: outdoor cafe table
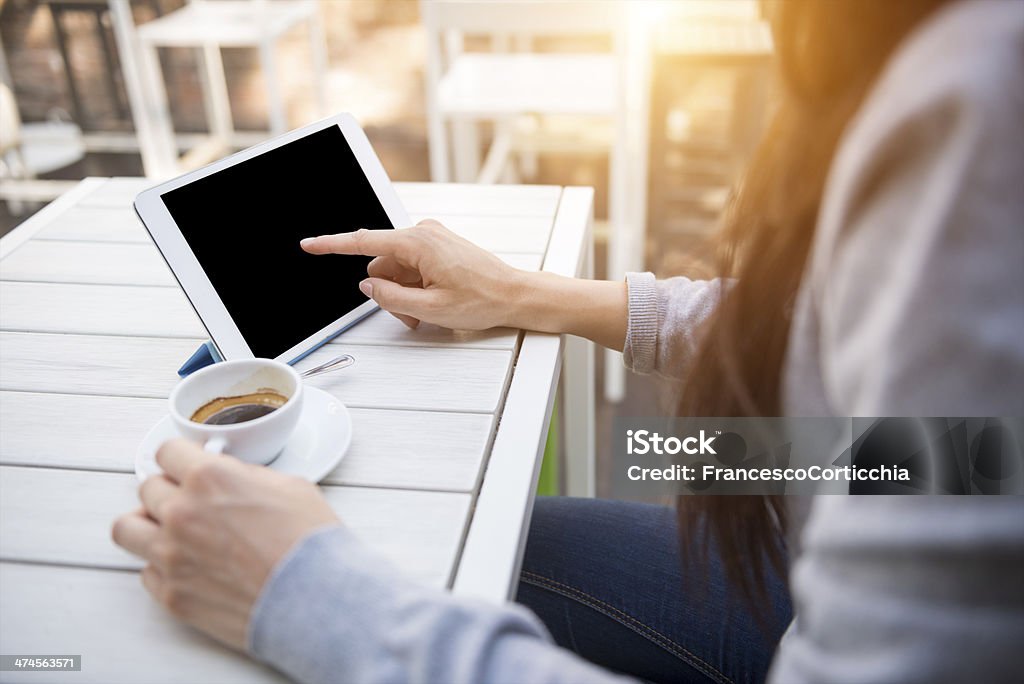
[[449, 426]]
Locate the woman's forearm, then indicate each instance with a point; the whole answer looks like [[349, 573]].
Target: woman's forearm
[[595, 309]]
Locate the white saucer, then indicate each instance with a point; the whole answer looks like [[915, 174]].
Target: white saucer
[[320, 440]]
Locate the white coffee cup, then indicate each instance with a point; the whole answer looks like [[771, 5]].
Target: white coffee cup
[[256, 441]]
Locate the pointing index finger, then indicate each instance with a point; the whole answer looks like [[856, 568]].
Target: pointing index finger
[[362, 241]]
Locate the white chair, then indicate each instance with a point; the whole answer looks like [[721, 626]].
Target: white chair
[[515, 91], [207, 26], [30, 150]]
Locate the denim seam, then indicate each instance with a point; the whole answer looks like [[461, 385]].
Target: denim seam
[[627, 621]]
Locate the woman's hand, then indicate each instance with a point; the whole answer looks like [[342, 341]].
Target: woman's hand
[[428, 273], [212, 529]]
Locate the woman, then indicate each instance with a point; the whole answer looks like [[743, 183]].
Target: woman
[[871, 266]]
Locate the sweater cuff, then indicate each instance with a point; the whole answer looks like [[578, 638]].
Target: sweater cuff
[[295, 623], [642, 328]]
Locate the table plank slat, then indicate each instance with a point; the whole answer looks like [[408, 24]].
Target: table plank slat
[[95, 224], [64, 517], [383, 377], [117, 193], [165, 312], [52, 261], [522, 234], [479, 200], [379, 456], [70, 610]]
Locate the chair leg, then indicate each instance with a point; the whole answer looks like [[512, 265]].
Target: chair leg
[[62, 38], [216, 101], [14, 166], [528, 159], [437, 130], [275, 102], [614, 370], [618, 245], [466, 150], [618, 250], [498, 157], [110, 62], [437, 143], [318, 50], [627, 187], [158, 133], [579, 403], [146, 96]]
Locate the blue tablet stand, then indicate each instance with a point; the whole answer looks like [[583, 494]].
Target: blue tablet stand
[[204, 356]]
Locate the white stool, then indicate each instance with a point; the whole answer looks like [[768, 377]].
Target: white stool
[[207, 26]]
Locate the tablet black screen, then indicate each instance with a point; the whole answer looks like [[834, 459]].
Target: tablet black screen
[[244, 225]]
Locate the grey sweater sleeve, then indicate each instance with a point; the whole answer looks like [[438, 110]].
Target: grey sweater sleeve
[[333, 611], [665, 321]]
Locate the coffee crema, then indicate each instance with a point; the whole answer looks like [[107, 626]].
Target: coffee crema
[[239, 409]]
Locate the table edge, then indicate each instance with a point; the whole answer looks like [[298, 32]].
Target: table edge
[[489, 565], [25, 230]]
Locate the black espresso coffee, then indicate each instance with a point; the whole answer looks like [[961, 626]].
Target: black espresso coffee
[[244, 407]]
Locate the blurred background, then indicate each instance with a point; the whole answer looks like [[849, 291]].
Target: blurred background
[[656, 104]]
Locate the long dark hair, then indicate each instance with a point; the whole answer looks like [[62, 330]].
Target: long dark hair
[[829, 52]]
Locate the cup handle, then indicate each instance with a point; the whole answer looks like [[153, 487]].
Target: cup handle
[[216, 445]]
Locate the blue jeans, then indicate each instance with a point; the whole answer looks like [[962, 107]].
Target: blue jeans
[[608, 581]]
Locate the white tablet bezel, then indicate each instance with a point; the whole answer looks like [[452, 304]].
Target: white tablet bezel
[[193, 279]]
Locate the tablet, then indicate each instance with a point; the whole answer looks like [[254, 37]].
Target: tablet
[[230, 233]]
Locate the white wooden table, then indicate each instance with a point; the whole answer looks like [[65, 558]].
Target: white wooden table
[[449, 426]]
